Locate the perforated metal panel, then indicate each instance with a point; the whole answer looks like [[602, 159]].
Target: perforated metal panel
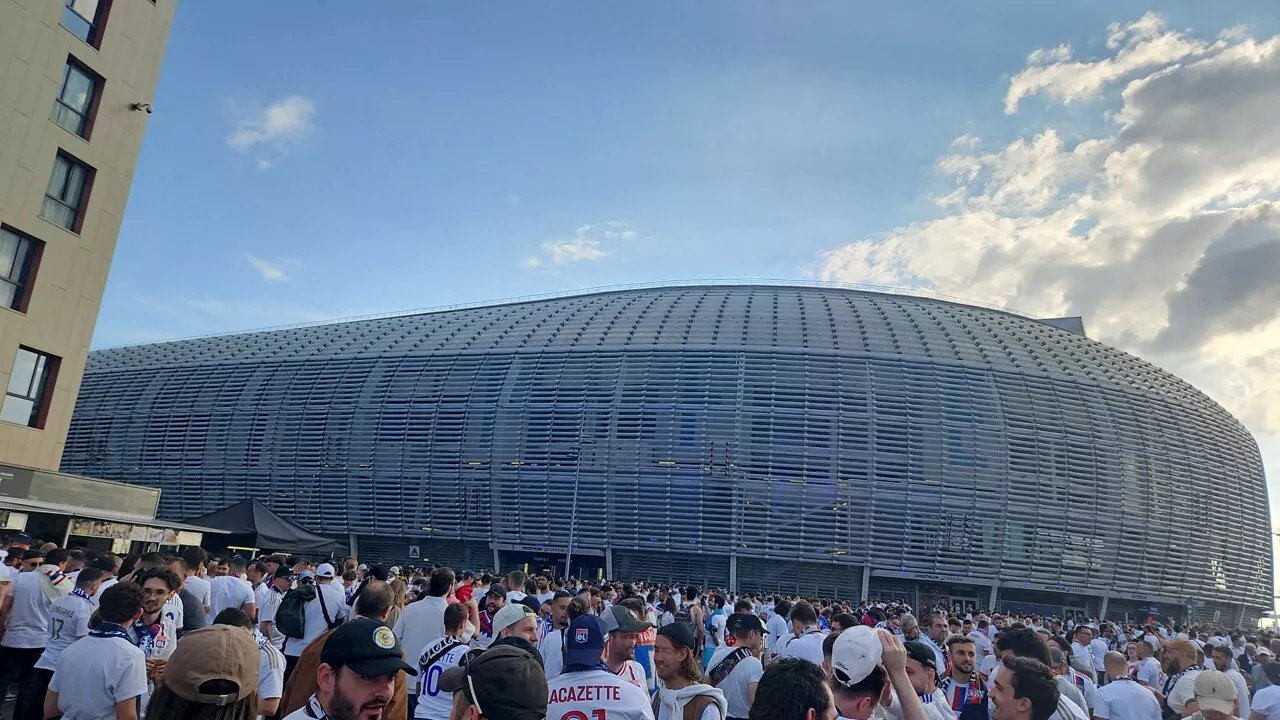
[[777, 423]]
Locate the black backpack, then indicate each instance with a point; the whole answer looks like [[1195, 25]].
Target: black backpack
[[291, 616]]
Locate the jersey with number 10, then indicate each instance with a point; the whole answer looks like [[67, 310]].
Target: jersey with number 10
[[596, 695], [432, 703]]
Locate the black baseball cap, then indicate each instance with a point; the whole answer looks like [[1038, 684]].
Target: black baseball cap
[[282, 573], [743, 621], [921, 653], [504, 682], [366, 646], [680, 633]]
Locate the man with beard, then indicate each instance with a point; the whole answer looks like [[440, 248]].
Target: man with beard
[[154, 634], [494, 600], [683, 693], [622, 630], [1180, 662], [923, 674], [963, 686], [1222, 657], [356, 678], [1024, 690]]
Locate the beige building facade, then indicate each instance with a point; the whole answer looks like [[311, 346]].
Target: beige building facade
[[76, 85]]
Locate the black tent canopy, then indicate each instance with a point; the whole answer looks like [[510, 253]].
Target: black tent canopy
[[254, 525]]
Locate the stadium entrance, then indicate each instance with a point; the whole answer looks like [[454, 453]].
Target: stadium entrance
[[587, 567]]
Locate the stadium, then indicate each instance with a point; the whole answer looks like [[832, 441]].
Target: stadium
[[817, 439]]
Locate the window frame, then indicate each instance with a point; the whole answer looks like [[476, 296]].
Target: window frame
[[97, 26], [91, 112], [25, 280], [44, 394], [86, 189]]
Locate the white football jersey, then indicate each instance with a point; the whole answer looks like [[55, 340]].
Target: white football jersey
[[596, 695], [433, 704]]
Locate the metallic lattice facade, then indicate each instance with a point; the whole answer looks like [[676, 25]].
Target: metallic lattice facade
[[797, 430]]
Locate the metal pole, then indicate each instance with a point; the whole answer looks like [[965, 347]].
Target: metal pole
[[573, 516]]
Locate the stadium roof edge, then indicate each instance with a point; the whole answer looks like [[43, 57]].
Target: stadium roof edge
[[606, 289]]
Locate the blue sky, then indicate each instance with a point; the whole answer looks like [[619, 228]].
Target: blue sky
[[338, 159], [447, 142]]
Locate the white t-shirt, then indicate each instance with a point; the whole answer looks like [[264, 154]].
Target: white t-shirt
[[746, 673], [1242, 691], [270, 669], [633, 672], [718, 623], [433, 704], [1183, 691], [1149, 672], [267, 613], [314, 624], [261, 594], [103, 588], [666, 708], [173, 610], [982, 643], [421, 622], [28, 621], [935, 705], [1099, 649], [595, 690], [1126, 700], [778, 628], [1267, 702], [552, 648], [515, 596], [545, 597], [806, 647], [94, 674], [228, 591], [199, 588], [1082, 653], [159, 647], [68, 622]]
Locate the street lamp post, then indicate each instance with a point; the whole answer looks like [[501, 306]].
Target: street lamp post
[[573, 513]]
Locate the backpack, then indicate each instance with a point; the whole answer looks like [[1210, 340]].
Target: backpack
[[684, 614], [693, 709], [291, 616]]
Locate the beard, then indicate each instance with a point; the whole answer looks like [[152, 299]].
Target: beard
[[341, 707], [1170, 668]]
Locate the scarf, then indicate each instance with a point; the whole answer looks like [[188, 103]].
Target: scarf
[[1173, 680], [574, 667], [314, 709], [82, 594], [54, 583], [109, 630], [147, 635]]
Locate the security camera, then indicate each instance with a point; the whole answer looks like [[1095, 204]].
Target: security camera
[[142, 106]]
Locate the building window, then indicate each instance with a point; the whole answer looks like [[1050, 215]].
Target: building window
[[19, 257], [30, 387], [85, 19], [77, 100], [68, 191]]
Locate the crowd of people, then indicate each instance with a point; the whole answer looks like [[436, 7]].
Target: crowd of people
[[90, 634]]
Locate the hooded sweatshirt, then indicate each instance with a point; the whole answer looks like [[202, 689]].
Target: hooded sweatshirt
[[671, 703]]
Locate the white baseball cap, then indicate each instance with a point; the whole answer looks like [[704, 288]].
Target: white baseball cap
[[509, 615], [326, 570], [856, 653]]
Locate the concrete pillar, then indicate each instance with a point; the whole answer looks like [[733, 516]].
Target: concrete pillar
[[497, 562], [991, 603], [1102, 609], [733, 574], [1237, 620], [608, 563], [866, 583]]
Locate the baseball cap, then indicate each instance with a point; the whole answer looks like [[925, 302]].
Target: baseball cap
[[217, 652], [395, 570], [505, 682], [921, 653], [20, 538], [1215, 691], [366, 646], [307, 574], [1056, 658], [1264, 651], [680, 633], [743, 621], [856, 653], [509, 615], [326, 570], [584, 642], [622, 619]]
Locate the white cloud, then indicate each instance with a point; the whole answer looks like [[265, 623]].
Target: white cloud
[[1142, 45], [1163, 231], [588, 243], [269, 134], [272, 270]]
